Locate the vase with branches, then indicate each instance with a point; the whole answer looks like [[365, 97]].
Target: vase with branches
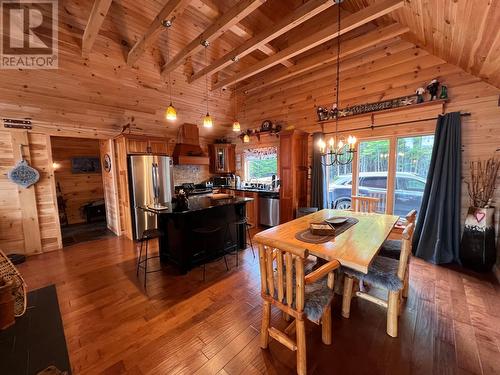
[[482, 182], [477, 250]]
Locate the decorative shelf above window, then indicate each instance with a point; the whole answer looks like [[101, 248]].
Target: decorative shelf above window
[[388, 117]]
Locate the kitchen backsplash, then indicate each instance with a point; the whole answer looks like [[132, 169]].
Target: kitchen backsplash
[[191, 173]]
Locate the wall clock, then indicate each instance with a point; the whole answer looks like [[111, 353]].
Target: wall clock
[[107, 163], [266, 125]]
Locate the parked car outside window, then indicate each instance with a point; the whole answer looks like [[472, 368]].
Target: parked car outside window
[[408, 192]]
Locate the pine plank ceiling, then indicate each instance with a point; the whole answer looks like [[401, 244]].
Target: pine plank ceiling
[[116, 86], [462, 32]]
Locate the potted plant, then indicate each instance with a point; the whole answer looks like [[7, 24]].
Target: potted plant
[[477, 249]]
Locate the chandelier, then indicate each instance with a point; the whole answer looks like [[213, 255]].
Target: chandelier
[[338, 151]]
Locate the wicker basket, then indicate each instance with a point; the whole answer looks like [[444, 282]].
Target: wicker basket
[[9, 272]]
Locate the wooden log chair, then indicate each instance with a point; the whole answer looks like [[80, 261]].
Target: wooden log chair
[[392, 249], [9, 272], [301, 296], [385, 273], [364, 204]]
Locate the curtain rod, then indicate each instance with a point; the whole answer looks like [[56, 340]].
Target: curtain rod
[[372, 127]]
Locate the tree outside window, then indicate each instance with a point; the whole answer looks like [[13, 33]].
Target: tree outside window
[[261, 164]]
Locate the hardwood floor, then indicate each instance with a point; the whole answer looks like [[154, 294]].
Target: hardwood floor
[[182, 325]]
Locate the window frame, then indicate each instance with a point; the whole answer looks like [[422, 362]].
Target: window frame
[[246, 160], [392, 163]]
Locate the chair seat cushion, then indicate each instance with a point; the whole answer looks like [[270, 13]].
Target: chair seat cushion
[[391, 249], [317, 295], [382, 273]]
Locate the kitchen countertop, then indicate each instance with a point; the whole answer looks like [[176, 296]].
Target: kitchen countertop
[[199, 203]]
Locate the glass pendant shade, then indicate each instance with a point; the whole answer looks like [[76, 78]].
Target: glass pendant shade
[[236, 126], [246, 138], [207, 121], [171, 113]]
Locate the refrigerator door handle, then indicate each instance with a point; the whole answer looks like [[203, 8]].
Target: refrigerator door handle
[[156, 187]]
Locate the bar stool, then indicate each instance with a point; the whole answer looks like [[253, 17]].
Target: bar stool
[[205, 254], [238, 223], [147, 235]]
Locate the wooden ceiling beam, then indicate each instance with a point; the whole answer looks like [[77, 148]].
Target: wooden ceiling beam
[[349, 23], [96, 18], [169, 12], [347, 48], [208, 8], [290, 21], [219, 27]]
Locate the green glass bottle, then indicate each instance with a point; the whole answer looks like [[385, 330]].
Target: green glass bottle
[[444, 92]]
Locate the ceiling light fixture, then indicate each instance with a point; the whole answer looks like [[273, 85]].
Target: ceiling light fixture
[[338, 151], [171, 112], [207, 119], [236, 123]]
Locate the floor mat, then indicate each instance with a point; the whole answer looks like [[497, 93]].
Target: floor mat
[[37, 339], [85, 232]]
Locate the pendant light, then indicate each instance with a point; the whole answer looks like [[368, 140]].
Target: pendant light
[[207, 119], [338, 151], [170, 113], [236, 123]]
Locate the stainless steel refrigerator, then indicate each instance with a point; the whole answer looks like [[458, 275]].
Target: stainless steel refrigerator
[[151, 185]]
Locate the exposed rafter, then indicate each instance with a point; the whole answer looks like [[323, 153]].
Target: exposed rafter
[[288, 22], [208, 8], [349, 23], [329, 56], [220, 26], [171, 10], [96, 18]]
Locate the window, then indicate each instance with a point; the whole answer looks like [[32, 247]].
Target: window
[[261, 164], [373, 160], [339, 179], [413, 159], [373, 170]]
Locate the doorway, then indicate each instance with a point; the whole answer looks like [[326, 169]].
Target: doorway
[[79, 189]]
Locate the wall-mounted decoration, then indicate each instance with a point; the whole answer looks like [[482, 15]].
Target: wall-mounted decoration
[[266, 126], [324, 114], [107, 163], [432, 88], [11, 123], [85, 164], [23, 175], [444, 92], [273, 129], [420, 94]]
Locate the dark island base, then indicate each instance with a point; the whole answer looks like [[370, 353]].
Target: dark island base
[[182, 247]]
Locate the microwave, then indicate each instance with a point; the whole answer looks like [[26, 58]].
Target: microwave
[[222, 181]]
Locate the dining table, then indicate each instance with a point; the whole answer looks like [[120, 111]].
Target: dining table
[[354, 248]]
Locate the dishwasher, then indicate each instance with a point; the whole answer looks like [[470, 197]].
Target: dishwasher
[[269, 209]]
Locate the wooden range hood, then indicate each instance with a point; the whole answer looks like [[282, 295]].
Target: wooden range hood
[[187, 150]]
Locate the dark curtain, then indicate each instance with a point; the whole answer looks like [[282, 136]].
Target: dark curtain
[[318, 182], [437, 232]]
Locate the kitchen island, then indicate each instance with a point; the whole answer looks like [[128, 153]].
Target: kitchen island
[[181, 243]]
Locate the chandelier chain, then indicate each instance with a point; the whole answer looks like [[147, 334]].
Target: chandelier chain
[[168, 60], [337, 152], [206, 75], [338, 76]]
